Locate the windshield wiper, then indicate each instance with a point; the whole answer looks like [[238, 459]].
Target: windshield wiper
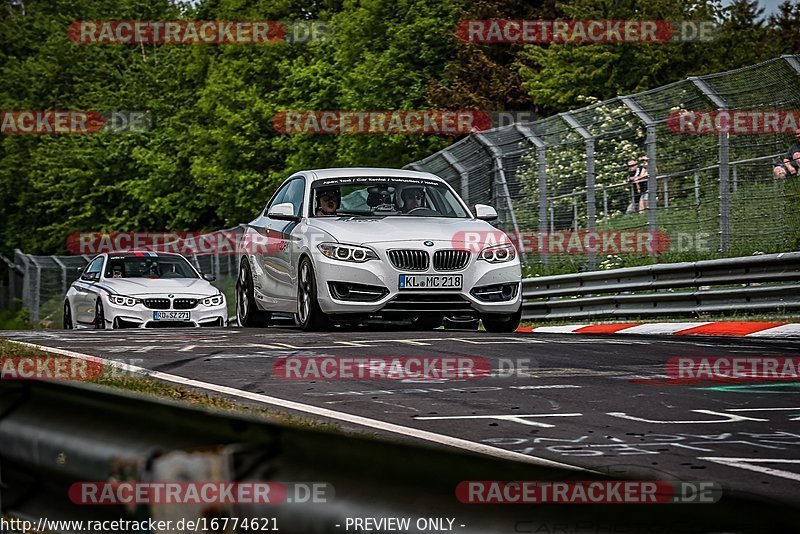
[[355, 213]]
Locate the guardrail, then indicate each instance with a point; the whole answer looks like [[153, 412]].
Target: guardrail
[[54, 434], [766, 283]]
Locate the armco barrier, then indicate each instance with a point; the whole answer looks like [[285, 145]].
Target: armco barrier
[[54, 434], [767, 283]]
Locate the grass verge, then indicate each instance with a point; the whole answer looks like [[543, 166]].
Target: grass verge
[[143, 385]]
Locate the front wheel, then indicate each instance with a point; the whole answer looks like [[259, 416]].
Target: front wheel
[[502, 323], [99, 315], [247, 313], [67, 316], [309, 315]]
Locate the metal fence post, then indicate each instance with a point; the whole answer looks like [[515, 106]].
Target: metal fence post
[[724, 170], [63, 274], [35, 291], [541, 161], [697, 187], [652, 178], [462, 174], [497, 157], [591, 208]]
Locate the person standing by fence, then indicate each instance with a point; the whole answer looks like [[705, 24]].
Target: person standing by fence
[[791, 160]]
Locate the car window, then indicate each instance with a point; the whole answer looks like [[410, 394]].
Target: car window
[[390, 197], [277, 199], [149, 267], [93, 268], [294, 194]]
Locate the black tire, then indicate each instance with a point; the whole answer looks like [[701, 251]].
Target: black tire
[[502, 324], [309, 315], [68, 325], [99, 315], [247, 312]]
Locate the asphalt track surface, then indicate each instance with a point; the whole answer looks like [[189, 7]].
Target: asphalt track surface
[[589, 401]]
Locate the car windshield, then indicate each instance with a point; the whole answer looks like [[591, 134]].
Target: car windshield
[[385, 197], [149, 267]]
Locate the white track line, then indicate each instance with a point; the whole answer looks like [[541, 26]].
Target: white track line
[[441, 439]]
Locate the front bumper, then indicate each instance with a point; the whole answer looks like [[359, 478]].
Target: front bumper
[[381, 274], [140, 316]]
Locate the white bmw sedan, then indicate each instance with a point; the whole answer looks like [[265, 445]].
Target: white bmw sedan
[[144, 290], [348, 245]]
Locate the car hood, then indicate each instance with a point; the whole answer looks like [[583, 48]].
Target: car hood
[[135, 287], [364, 230]]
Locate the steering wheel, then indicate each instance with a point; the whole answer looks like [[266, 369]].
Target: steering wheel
[[418, 209]]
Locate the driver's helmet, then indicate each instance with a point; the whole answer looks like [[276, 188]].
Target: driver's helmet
[[117, 271], [406, 191]]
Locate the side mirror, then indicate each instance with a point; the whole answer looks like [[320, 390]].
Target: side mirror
[[283, 212], [209, 277], [92, 277], [485, 213]]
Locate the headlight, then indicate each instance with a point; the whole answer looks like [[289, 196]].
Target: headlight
[[122, 300], [498, 253], [351, 253], [216, 300]]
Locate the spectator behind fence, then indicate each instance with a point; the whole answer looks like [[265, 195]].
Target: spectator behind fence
[[633, 170], [643, 176], [791, 160], [637, 176]]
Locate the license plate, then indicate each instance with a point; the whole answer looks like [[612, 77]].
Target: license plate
[[171, 316], [430, 281]]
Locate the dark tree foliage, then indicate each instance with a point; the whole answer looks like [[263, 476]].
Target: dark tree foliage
[[213, 157]]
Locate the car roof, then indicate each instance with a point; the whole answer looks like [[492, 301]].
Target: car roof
[[139, 254], [378, 172]]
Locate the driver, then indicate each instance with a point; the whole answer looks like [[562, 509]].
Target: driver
[[116, 271], [413, 198], [328, 200]]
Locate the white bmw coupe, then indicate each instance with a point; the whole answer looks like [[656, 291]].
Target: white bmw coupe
[[356, 244], [144, 290]]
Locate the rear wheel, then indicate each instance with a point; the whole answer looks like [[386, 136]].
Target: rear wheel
[[309, 315], [99, 315], [499, 323], [67, 316], [247, 312]]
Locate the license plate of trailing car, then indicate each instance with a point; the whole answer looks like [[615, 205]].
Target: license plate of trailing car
[[430, 281], [171, 316]]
